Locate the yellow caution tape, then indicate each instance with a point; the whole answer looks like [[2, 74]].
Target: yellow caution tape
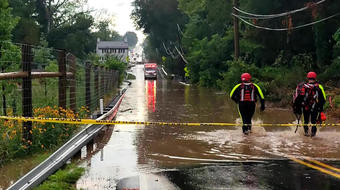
[[109, 122]]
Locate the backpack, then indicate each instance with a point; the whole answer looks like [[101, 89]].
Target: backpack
[[311, 96], [296, 103], [306, 95], [247, 93]]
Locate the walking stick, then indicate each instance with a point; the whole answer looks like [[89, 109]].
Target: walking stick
[[298, 118]]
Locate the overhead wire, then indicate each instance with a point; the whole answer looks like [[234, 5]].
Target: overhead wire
[[270, 16], [181, 55], [286, 29]]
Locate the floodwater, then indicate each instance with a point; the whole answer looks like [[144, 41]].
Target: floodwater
[[165, 157], [207, 157]]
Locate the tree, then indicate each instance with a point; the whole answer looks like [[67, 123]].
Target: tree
[[9, 54], [158, 19], [27, 30], [104, 33], [131, 39], [75, 36], [53, 14], [7, 21]]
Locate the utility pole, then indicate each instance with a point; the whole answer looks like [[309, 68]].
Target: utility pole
[[236, 33]]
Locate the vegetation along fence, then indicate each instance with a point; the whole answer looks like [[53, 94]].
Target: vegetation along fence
[[45, 82]]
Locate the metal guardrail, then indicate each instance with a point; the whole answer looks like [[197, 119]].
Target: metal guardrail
[[67, 151]]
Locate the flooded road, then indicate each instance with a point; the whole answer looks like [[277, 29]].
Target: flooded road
[[163, 157]]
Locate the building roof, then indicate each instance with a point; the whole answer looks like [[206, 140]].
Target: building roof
[[112, 44]]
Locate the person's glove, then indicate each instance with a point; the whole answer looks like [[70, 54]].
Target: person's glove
[[262, 107]]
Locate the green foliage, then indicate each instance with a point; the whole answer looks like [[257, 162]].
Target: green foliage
[[94, 58], [336, 101], [235, 69], [63, 179], [7, 21], [323, 45], [43, 55], [10, 61], [27, 30], [336, 38], [331, 72], [159, 20], [46, 136], [303, 60], [207, 58], [115, 63], [74, 36], [104, 32], [131, 39]]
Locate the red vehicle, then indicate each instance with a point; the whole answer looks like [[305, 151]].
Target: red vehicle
[[150, 71]]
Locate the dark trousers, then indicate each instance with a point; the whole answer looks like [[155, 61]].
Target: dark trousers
[[247, 110], [312, 116]]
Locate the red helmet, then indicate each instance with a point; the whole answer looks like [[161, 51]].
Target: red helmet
[[245, 77], [311, 75]]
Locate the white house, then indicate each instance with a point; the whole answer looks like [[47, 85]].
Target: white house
[[119, 49]]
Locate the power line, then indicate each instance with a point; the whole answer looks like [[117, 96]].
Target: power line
[[168, 51], [286, 29], [270, 16], [181, 56]]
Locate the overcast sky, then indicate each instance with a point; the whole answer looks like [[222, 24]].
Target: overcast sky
[[121, 10]]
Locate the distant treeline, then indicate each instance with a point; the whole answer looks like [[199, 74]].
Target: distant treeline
[[194, 38]]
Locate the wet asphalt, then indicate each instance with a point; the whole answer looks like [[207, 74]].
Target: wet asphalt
[[161, 157]]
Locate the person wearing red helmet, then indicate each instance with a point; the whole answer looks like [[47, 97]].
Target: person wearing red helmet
[[245, 95], [309, 99]]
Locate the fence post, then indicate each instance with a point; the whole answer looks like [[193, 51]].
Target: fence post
[[96, 84], [4, 106], [88, 85], [109, 80], [112, 79], [106, 79], [73, 84], [62, 79], [102, 82], [27, 58], [117, 78]]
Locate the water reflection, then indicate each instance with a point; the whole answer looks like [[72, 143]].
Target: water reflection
[[151, 89], [139, 150]]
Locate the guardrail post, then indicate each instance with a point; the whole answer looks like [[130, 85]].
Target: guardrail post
[[73, 84], [88, 85], [27, 58], [89, 147], [62, 79]]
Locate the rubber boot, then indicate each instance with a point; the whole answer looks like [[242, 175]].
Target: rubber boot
[[306, 130], [245, 130], [314, 129]]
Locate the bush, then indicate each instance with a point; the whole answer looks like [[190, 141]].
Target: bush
[[114, 63], [235, 69], [46, 136], [332, 73], [275, 82]]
